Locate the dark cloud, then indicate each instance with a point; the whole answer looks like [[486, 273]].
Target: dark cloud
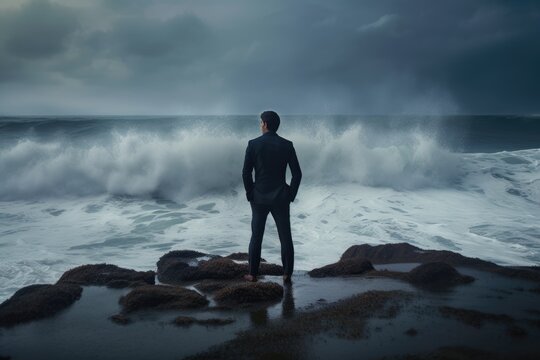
[[182, 37], [38, 29], [308, 56]]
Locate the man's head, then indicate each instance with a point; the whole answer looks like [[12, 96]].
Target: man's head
[[269, 121]]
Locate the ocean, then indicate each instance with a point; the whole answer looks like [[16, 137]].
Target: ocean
[[125, 190]]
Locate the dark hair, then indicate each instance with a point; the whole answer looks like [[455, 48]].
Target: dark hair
[[271, 118]]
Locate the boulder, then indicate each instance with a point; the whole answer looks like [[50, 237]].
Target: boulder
[[241, 256], [217, 268], [249, 292], [184, 320], [107, 275], [268, 269], [407, 253], [220, 268], [349, 266], [161, 297], [188, 257], [120, 284], [175, 268], [179, 265], [411, 332], [37, 301], [215, 321], [185, 254], [437, 273], [210, 286], [188, 320]]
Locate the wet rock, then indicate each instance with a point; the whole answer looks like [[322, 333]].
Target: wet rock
[[215, 321], [175, 272], [173, 264], [411, 332], [241, 256], [428, 274], [351, 266], [188, 320], [185, 254], [120, 319], [120, 284], [437, 273], [219, 269], [161, 297], [107, 275], [175, 268], [249, 292], [184, 321], [268, 269], [210, 286], [407, 253], [37, 301]]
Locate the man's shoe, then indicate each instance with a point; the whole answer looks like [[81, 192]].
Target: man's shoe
[[287, 279], [250, 278]]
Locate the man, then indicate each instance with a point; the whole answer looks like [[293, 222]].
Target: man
[[269, 155]]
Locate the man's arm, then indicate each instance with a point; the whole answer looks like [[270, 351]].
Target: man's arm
[[247, 173], [295, 172]]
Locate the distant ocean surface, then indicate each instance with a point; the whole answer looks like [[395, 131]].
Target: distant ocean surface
[[125, 190]]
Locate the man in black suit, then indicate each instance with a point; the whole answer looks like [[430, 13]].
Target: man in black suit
[[269, 155]]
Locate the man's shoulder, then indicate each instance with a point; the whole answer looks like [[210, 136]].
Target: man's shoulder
[[253, 141], [261, 139], [284, 140], [276, 136]]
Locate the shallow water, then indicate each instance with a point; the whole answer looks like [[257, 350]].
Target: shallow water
[[85, 331], [488, 293]]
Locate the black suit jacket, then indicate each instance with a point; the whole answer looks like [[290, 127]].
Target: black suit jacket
[[269, 155]]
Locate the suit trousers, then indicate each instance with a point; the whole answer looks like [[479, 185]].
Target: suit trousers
[[281, 214]]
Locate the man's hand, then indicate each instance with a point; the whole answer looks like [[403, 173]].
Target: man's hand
[[249, 195], [247, 173], [295, 172]]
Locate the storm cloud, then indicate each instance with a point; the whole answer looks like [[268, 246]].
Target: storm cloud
[[244, 56]]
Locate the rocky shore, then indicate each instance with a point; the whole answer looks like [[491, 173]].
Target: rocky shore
[[387, 301]]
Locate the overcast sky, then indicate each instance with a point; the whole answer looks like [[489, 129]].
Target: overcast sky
[[245, 56]]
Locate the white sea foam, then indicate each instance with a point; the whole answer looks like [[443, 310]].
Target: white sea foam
[[479, 217], [192, 162], [355, 190]]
